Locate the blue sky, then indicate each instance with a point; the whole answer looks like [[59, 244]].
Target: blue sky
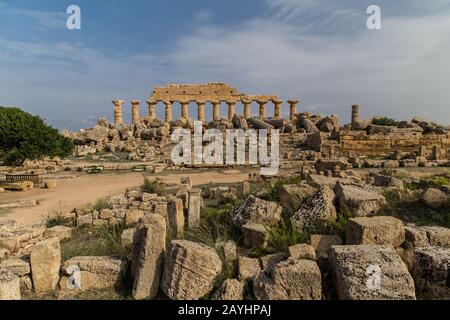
[[317, 50]]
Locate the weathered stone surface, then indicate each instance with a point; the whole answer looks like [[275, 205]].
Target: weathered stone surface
[[17, 266], [329, 124], [231, 289], [290, 280], [387, 181], [248, 268], [190, 270], [354, 269], [360, 201], [127, 236], [269, 261], [45, 263], [60, 232], [434, 198], [151, 257], [106, 214], [321, 243], [431, 272], [84, 220], [95, 272], [194, 207], [375, 230], [437, 236], [9, 286], [416, 236], [293, 195], [258, 211], [229, 251], [302, 251], [255, 235], [316, 211], [176, 217], [132, 217]]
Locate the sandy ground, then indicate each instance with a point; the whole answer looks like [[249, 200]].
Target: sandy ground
[[85, 189]]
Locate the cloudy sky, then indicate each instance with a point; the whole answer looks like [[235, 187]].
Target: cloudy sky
[[317, 50]]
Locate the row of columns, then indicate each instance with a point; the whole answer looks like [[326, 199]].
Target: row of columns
[[135, 114]]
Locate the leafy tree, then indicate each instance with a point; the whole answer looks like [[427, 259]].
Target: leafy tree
[[384, 121], [24, 136]]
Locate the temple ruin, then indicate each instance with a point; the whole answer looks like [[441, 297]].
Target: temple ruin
[[201, 94]]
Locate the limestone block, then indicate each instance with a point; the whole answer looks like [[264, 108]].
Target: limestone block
[[190, 270], [290, 280], [375, 230], [9, 286], [370, 272], [60, 232], [151, 256], [45, 263], [248, 268]]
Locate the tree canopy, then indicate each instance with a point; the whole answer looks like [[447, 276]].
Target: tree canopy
[[24, 136]]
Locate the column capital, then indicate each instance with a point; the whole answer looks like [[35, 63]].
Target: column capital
[[200, 102], [277, 101], [184, 101], [135, 102], [293, 101], [246, 100], [151, 102], [262, 102], [230, 102], [118, 103]]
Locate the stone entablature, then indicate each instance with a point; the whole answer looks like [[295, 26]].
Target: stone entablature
[[214, 93]]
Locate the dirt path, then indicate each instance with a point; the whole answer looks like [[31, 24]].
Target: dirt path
[[87, 189]]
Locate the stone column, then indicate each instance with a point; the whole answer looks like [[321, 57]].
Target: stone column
[[201, 110], [118, 111], [135, 116], [216, 110], [151, 110], [185, 109], [247, 108], [277, 105], [168, 111], [231, 109], [355, 115], [292, 109], [262, 109]]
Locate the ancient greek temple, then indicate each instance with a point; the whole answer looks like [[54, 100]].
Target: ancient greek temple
[[201, 94]]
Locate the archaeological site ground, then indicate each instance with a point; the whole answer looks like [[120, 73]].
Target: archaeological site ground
[[207, 187]]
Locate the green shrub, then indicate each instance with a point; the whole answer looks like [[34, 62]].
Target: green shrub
[[215, 224], [385, 122], [274, 187], [23, 136], [153, 186], [284, 235], [102, 203], [57, 219], [95, 241]]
